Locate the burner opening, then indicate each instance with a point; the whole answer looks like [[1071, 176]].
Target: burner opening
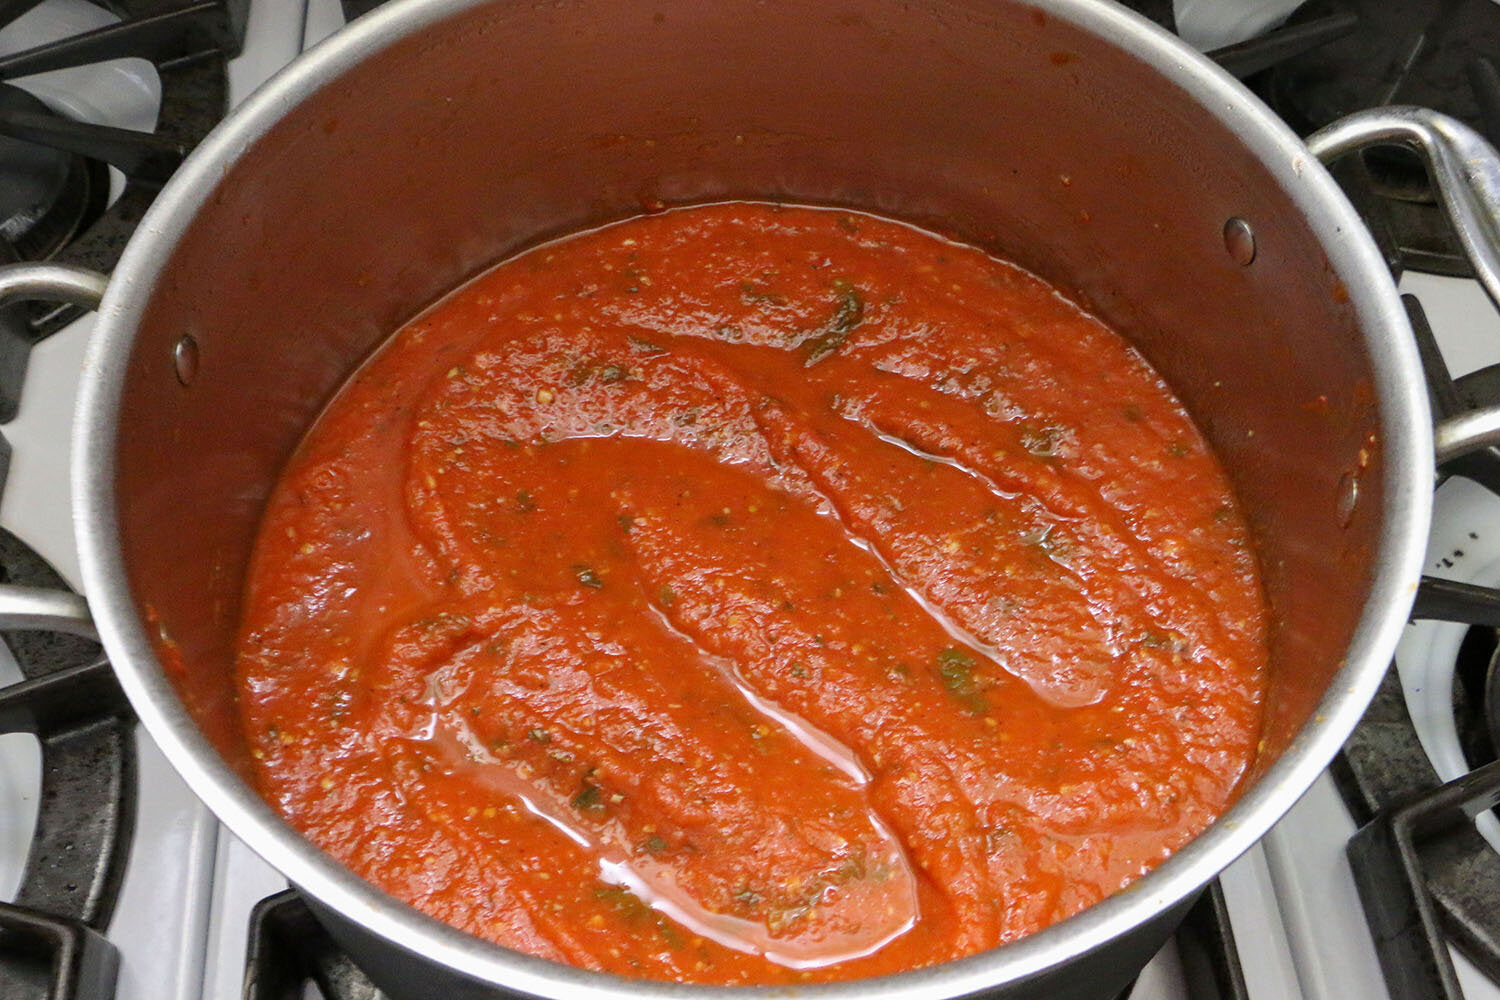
[[1476, 693], [47, 196], [1399, 173], [38, 229]]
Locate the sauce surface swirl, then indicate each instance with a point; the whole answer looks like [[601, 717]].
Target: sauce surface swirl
[[751, 593]]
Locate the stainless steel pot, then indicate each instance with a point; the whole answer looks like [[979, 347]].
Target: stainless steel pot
[[435, 136]]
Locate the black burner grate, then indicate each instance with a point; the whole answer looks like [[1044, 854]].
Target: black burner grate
[[289, 949], [189, 42], [51, 946], [1424, 873], [1434, 53], [1334, 57]]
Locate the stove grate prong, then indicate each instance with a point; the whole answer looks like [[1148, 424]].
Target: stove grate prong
[[1258, 54], [168, 38], [53, 958], [51, 947], [1451, 398], [1387, 864], [144, 157], [12, 9], [1451, 601]]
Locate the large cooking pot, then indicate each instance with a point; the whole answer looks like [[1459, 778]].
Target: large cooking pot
[[433, 137]]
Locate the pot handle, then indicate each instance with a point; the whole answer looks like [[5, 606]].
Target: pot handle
[[75, 286], [38, 608], [1465, 169]]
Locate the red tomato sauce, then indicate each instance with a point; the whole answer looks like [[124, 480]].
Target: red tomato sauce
[[753, 594]]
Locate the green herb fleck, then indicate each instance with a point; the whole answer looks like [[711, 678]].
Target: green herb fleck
[[853, 869], [589, 799], [849, 310], [1040, 538], [625, 521], [752, 294], [782, 919], [630, 909], [1045, 442], [956, 669], [667, 596], [669, 932], [525, 502], [587, 576], [626, 903], [1169, 640], [539, 736], [611, 373], [654, 844], [999, 838]]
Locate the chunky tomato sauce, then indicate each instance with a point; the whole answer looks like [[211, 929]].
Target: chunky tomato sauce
[[753, 594]]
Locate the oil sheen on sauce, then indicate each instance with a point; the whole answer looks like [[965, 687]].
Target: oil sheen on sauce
[[749, 593]]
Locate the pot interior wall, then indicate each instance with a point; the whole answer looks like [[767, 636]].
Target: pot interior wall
[[504, 124]]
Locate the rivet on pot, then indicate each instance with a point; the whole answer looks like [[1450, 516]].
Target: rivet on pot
[[1239, 240], [1347, 499], [185, 359]]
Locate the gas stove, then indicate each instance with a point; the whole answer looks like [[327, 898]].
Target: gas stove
[[186, 912]]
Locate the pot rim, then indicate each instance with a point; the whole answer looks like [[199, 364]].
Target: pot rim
[[1407, 481]]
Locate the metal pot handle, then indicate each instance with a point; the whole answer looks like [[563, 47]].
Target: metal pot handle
[[1465, 169], [37, 608]]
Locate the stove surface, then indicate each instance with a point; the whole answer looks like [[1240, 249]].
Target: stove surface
[[182, 917]]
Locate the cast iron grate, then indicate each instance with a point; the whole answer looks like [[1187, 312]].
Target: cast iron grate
[[51, 937], [1424, 874], [1436, 53], [289, 949], [1334, 57], [189, 42]]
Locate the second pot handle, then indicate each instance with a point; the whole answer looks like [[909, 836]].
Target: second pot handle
[[1465, 170], [76, 286], [38, 608]]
